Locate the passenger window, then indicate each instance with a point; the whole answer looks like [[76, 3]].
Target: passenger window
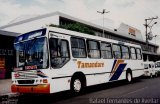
[[106, 51], [139, 56], [59, 52], [125, 52], [116, 51], [78, 48], [93, 49], [133, 53], [145, 66]]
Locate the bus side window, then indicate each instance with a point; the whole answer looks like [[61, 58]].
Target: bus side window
[[78, 47], [116, 51], [145, 66], [93, 49], [149, 65], [59, 52], [125, 52], [106, 51], [133, 53], [139, 56]]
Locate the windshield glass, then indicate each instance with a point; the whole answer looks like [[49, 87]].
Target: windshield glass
[[32, 54]]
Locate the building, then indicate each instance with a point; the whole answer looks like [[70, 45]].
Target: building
[[7, 53], [124, 33]]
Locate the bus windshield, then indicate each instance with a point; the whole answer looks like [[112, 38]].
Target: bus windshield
[[32, 54]]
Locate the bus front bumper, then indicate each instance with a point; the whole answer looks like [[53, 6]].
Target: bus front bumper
[[44, 88]]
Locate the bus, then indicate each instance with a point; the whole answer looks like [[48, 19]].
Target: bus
[[52, 59]]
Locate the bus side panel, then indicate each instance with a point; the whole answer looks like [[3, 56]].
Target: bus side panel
[[136, 66], [60, 84], [97, 79]]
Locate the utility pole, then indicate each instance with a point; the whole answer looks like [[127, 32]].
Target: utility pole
[[147, 34], [103, 12], [148, 25], [155, 36]]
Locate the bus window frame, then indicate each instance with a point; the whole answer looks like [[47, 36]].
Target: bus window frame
[[68, 47], [139, 54], [125, 52], [106, 50], [116, 51], [87, 42], [131, 53], [79, 48]]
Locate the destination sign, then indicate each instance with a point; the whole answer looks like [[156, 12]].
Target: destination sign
[[30, 35]]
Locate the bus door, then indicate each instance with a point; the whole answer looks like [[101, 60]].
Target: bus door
[[59, 51]]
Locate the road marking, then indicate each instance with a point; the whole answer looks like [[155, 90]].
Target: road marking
[[134, 91]]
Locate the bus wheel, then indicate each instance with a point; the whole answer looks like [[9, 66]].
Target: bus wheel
[[156, 75], [129, 77], [151, 75], [76, 85]]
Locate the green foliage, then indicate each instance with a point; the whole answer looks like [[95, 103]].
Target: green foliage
[[76, 27]]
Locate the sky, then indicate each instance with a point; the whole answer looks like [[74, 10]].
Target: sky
[[131, 12]]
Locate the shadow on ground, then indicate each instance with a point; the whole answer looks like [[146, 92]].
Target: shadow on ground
[[52, 98]]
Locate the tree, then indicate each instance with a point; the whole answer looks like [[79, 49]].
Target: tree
[[76, 27]]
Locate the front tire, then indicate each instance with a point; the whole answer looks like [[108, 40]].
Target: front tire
[[156, 75], [77, 85], [151, 76]]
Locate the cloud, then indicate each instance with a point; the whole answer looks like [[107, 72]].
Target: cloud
[[124, 3], [132, 12], [76, 8], [10, 10]]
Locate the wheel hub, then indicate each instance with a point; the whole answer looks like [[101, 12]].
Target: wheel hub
[[77, 85]]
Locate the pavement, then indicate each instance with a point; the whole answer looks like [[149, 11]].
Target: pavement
[[5, 92], [141, 91], [5, 86]]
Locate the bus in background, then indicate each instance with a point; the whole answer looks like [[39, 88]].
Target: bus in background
[[51, 60]]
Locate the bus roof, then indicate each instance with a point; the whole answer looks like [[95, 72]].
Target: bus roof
[[88, 36], [42, 31]]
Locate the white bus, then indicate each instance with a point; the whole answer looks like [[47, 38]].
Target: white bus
[[51, 60], [157, 63]]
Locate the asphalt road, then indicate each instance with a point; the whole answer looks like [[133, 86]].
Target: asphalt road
[[142, 90]]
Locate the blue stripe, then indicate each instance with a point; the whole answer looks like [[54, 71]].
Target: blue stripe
[[118, 72], [39, 73]]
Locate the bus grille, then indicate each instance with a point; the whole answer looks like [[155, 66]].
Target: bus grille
[[27, 74], [26, 81]]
